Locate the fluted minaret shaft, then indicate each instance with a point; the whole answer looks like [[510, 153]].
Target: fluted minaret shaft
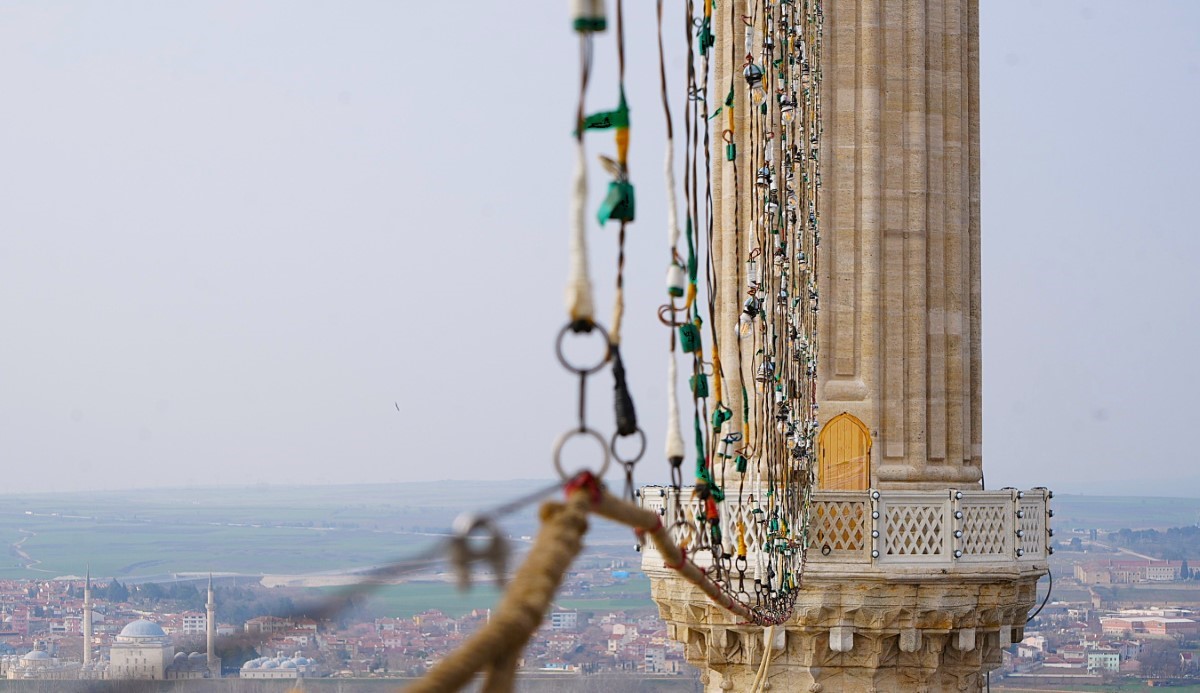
[[210, 627], [87, 618], [899, 278], [900, 286]]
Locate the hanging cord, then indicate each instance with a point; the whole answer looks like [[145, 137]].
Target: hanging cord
[[1049, 591], [624, 410], [622, 137]]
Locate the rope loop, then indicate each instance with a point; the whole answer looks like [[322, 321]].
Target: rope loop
[[669, 322]]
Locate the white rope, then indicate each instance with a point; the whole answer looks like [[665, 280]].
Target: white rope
[[674, 446], [672, 213], [760, 678], [674, 432], [579, 284]]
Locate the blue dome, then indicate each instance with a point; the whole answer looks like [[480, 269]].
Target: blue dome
[[142, 629]]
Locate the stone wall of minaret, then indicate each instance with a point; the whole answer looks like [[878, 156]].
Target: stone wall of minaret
[[210, 628], [900, 286], [899, 258]]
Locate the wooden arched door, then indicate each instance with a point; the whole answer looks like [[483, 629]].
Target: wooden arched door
[[844, 451]]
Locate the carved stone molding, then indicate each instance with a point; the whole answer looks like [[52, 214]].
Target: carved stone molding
[[860, 635]]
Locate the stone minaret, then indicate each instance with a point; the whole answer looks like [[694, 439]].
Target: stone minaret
[[916, 575], [901, 286], [210, 627], [87, 618]]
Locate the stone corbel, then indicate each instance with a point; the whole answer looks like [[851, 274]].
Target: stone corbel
[[964, 639], [725, 646], [841, 638], [778, 641], [1006, 633], [910, 640]]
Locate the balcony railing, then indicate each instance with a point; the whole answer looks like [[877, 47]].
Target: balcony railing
[[944, 527]]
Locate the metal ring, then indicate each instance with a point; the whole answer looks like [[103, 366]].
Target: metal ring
[[676, 477], [826, 550], [464, 553], [578, 326], [468, 525], [636, 458], [562, 440]]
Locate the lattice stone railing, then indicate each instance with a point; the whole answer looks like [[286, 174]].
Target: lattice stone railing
[[943, 527]]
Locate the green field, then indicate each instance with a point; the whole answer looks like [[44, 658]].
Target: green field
[[415, 597], [409, 599], [246, 530]]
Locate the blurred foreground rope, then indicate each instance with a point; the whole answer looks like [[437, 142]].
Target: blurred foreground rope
[[497, 647]]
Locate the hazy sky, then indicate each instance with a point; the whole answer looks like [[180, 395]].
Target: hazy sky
[[234, 234]]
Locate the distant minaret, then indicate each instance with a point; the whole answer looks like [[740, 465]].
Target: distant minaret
[[210, 625], [87, 618]]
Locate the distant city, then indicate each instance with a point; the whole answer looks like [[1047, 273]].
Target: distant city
[[1125, 609], [140, 633]]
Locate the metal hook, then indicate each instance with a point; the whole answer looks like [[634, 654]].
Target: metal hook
[[463, 552]]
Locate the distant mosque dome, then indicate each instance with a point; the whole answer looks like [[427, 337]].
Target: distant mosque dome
[[142, 629], [35, 656], [196, 657]]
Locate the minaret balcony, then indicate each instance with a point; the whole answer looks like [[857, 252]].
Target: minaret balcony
[[949, 531]]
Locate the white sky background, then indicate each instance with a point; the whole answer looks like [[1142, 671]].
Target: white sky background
[[233, 234]]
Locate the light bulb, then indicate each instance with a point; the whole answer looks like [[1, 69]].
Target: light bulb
[[787, 110], [745, 325], [757, 94], [754, 81]]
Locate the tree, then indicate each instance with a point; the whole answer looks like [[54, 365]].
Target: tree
[[1160, 659], [1185, 573], [116, 592]]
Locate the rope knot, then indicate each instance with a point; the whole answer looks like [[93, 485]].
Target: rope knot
[[586, 481]]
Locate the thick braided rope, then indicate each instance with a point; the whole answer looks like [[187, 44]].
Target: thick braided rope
[[523, 606], [497, 646], [648, 522]]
